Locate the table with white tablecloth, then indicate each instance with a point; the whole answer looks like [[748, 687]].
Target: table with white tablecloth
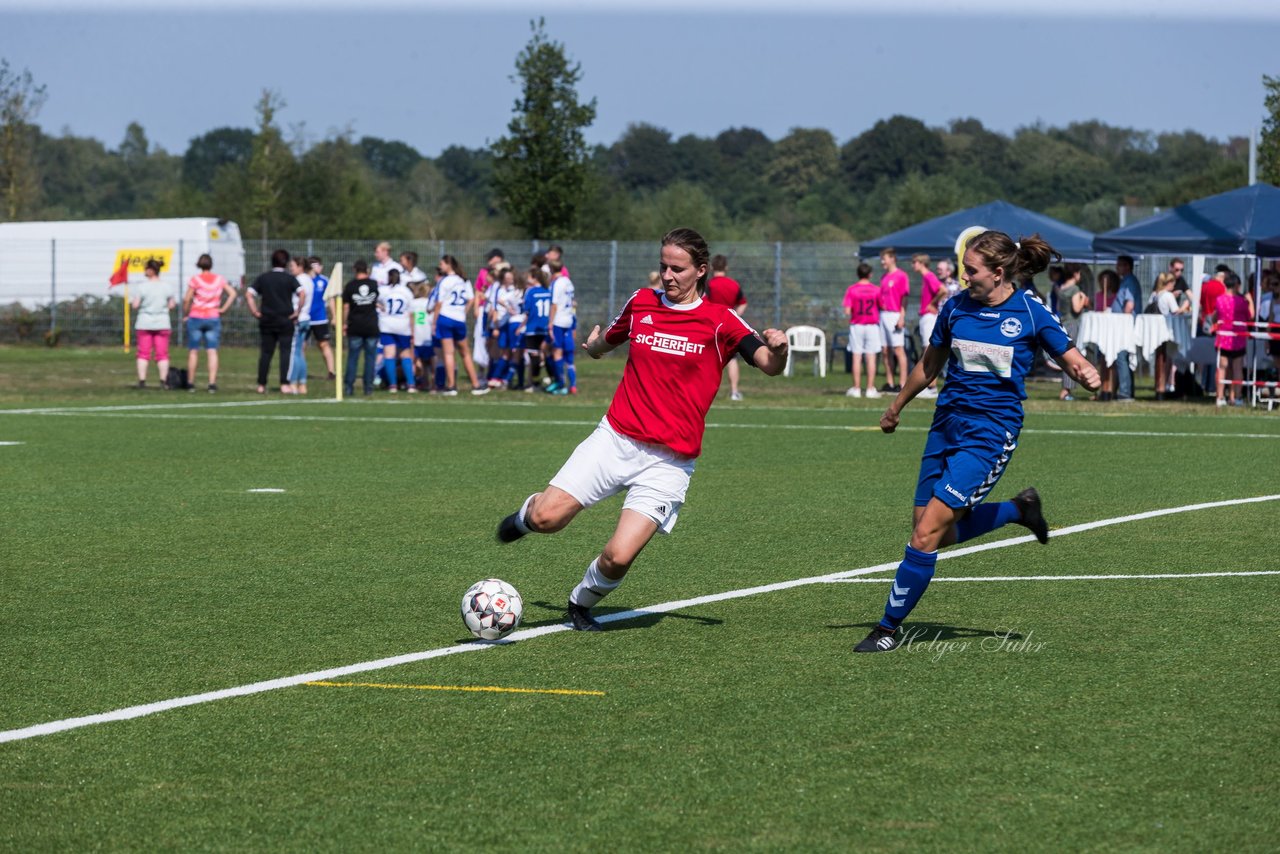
[[1149, 332], [1109, 334]]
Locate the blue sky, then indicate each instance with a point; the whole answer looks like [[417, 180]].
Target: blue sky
[[433, 75]]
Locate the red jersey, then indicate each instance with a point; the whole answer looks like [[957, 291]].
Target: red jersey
[[1209, 293], [725, 291], [678, 353]]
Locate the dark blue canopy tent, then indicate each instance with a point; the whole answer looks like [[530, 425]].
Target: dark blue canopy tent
[[1269, 247], [937, 236], [1229, 223]]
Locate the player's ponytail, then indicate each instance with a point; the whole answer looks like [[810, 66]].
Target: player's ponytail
[[454, 267], [1019, 260], [1034, 256]]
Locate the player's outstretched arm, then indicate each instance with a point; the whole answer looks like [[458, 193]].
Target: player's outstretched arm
[[925, 372], [772, 357], [1080, 369], [596, 345]]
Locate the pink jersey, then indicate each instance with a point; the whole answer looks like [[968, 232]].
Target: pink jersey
[[862, 301], [929, 289], [893, 290], [677, 355], [206, 298], [1233, 318]]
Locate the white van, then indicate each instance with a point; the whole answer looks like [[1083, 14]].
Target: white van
[[49, 262]]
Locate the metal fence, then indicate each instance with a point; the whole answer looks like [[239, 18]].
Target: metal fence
[[785, 283]]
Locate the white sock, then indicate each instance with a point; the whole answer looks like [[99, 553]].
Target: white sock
[[593, 587], [524, 508]]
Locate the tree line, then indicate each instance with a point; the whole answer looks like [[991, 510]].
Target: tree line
[[542, 179]]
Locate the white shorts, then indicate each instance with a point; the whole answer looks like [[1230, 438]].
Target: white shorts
[[926, 327], [889, 328], [864, 338], [606, 462]]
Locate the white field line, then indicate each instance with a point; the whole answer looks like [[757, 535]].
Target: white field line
[[153, 414], [938, 578], [528, 634]]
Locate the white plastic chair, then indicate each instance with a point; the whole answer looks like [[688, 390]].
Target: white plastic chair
[[807, 339]]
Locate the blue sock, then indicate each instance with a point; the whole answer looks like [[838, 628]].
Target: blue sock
[[407, 365], [908, 585], [572, 370], [986, 518], [500, 371], [440, 376], [557, 370]]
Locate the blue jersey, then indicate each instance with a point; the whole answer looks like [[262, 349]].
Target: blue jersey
[[319, 310], [537, 309], [992, 349]]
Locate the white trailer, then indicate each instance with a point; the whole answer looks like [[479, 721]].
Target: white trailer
[[43, 263]]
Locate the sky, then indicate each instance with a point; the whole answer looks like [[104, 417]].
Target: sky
[[435, 74]]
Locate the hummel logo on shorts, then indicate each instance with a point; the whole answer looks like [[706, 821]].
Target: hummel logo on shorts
[[648, 318]]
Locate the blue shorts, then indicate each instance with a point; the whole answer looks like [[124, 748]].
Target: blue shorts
[[964, 457], [562, 338], [203, 332], [508, 336], [403, 343], [447, 327], [425, 352]]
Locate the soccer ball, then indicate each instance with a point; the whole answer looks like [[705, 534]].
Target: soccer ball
[[491, 609]]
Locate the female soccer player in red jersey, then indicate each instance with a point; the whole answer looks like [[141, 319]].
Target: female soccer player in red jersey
[[649, 439]]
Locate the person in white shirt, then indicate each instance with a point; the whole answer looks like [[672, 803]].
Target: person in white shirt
[[299, 268], [382, 264], [562, 321], [422, 308], [395, 330], [454, 300]]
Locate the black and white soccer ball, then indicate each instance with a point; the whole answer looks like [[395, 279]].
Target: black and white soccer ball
[[491, 609]]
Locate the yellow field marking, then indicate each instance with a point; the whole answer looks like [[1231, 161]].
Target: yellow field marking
[[484, 688]]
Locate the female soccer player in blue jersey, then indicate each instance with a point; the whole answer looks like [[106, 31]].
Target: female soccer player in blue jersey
[[987, 336]]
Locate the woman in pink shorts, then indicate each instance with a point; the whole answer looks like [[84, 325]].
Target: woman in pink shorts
[[153, 302]]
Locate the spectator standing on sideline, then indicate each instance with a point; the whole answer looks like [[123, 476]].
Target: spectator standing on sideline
[[1056, 275], [455, 299], [556, 253], [1128, 301], [320, 312], [725, 291], [560, 324], [383, 264], [862, 302], [1232, 314], [1164, 298], [488, 273], [1213, 288], [152, 301], [203, 308], [271, 300], [930, 288], [298, 268], [947, 275], [1176, 268], [360, 326], [1072, 303], [1108, 284], [894, 287]]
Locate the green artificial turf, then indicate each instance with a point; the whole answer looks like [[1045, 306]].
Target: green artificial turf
[[1089, 714]]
